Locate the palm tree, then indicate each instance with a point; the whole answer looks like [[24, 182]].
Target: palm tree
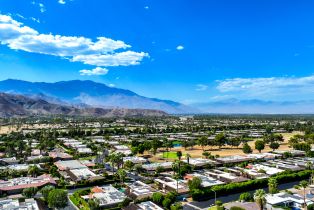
[[33, 170], [304, 184], [122, 174], [188, 156], [309, 165], [175, 167], [112, 158], [259, 197], [272, 186]]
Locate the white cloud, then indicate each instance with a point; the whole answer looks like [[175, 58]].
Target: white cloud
[[201, 87], [180, 47], [61, 2], [146, 7], [118, 59], [95, 71], [42, 7], [20, 16], [101, 52], [269, 87], [35, 19], [111, 85]]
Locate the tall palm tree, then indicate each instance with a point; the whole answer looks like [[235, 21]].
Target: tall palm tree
[[179, 155], [188, 156], [112, 158], [175, 168], [259, 197], [304, 185]]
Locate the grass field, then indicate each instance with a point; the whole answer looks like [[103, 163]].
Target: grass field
[[216, 208], [169, 155]]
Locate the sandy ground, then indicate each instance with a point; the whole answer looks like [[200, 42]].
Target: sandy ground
[[197, 151], [7, 129]]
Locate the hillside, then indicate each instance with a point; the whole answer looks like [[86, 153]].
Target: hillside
[[89, 93], [12, 105]]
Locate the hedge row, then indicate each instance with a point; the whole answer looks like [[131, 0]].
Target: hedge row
[[231, 188]]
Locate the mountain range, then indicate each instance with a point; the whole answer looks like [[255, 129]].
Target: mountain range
[[86, 96], [12, 105], [90, 94]]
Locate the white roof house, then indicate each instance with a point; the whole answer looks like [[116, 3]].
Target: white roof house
[[140, 190], [169, 184], [10, 204], [106, 195], [200, 162], [135, 159], [285, 199], [207, 181], [148, 205], [153, 166]]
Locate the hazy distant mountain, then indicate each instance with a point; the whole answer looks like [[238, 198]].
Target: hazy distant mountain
[[19, 106], [92, 94], [257, 107]]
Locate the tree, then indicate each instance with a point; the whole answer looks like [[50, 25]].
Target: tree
[[155, 145], [157, 197], [33, 170], [236, 208], [166, 203], [195, 183], [29, 192], [176, 206], [218, 203], [46, 190], [93, 204], [259, 145], [122, 174], [188, 156], [247, 197], [303, 185], [179, 155], [259, 197], [128, 164], [206, 154], [220, 140], [57, 198], [246, 148], [274, 145], [309, 165], [310, 207], [203, 141], [272, 186], [160, 169], [138, 168]]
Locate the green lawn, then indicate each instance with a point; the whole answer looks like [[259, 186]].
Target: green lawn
[[216, 208], [170, 155]]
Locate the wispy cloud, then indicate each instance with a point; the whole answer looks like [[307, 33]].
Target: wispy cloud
[[268, 87], [95, 71], [101, 53], [111, 85], [201, 87], [146, 7], [61, 2], [35, 19], [180, 47], [42, 7]]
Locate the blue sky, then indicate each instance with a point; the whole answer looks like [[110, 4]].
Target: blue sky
[[185, 50]]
